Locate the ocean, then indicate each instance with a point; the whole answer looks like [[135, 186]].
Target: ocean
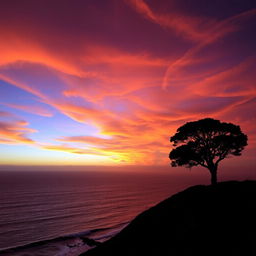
[[43, 205]]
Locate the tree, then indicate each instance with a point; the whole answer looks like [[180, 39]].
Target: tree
[[206, 142]]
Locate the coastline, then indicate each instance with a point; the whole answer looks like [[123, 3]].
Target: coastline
[[69, 245], [62, 246]]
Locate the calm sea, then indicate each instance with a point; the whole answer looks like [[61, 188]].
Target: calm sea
[[39, 205]]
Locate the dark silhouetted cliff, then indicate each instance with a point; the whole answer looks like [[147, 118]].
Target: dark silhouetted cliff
[[201, 220]]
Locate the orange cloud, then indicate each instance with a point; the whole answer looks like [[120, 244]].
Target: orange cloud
[[73, 150], [121, 148], [15, 133], [18, 47]]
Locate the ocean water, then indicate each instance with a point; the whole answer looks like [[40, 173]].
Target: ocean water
[[40, 205]]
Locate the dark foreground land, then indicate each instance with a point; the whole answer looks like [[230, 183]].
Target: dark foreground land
[[202, 220]]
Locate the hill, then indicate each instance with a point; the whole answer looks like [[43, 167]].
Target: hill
[[201, 220]]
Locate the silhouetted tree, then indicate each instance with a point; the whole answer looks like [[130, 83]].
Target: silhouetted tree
[[206, 142]]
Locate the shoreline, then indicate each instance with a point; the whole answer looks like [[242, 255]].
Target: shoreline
[[58, 246], [68, 245]]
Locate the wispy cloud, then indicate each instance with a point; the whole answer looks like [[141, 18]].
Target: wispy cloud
[[15, 132], [37, 110], [134, 75]]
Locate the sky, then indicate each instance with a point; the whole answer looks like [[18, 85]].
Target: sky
[[107, 82]]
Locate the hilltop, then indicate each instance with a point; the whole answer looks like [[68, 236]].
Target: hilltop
[[201, 220]]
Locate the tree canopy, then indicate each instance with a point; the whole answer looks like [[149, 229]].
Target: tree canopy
[[206, 142]]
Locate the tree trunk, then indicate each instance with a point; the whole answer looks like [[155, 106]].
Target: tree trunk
[[213, 176]]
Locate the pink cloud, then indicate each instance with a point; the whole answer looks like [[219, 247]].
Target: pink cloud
[[37, 110], [191, 27]]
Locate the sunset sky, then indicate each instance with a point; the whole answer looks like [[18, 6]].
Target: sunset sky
[[107, 82]]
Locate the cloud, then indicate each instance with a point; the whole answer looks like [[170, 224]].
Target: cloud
[[73, 150], [136, 122], [37, 110], [135, 74], [6, 114], [15, 132], [220, 29], [238, 80], [191, 27], [120, 148]]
